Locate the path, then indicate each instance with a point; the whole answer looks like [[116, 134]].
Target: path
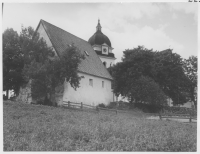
[[173, 119]]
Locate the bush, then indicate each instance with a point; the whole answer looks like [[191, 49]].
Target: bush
[[123, 105], [5, 97], [148, 108], [13, 98], [40, 102], [112, 105], [45, 101], [102, 105], [118, 105], [179, 110]]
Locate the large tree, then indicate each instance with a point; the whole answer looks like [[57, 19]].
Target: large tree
[[48, 73], [170, 76], [161, 70], [18, 51], [28, 58], [190, 67], [146, 90], [134, 77], [12, 61]]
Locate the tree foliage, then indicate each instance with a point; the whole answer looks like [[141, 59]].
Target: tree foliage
[[146, 90], [149, 76], [50, 73], [26, 57], [170, 76], [12, 61], [190, 67]]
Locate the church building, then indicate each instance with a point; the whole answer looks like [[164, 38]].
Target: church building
[[95, 87], [102, 45]]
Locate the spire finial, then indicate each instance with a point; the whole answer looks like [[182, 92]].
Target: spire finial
[[98, 25]]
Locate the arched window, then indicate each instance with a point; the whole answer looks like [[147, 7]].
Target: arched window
[[104, 63]]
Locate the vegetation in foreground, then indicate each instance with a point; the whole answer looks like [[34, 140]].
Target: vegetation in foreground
[[44, 128]]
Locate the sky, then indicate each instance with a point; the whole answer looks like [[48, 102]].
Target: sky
[[156, 26]]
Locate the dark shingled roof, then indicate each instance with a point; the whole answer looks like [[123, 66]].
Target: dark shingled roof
[[99, 38], [60, 40]]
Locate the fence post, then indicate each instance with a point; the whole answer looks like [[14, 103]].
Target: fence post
[[68, 104], [97, 109], [160, 116], [81, 105], [190, 117]]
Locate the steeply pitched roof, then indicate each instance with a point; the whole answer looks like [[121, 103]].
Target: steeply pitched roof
[[60, 40]]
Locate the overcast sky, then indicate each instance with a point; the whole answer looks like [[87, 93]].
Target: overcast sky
[[157, 26]]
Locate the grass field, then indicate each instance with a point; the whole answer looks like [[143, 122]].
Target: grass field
[[43, 128]]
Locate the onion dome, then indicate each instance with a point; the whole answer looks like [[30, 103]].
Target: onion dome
[[99, 38]]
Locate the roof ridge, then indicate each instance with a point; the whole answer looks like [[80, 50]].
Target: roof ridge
[[63, 30]]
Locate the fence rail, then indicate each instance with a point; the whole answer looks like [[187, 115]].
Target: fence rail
[[161, 115], [178, 116], [81, 106]]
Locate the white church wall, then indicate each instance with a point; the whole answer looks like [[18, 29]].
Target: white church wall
[[110, 50], [108, 61], [87, 94]]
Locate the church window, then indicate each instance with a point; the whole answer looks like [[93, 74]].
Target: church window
[[91, 82], [102, 84], [104, 63]]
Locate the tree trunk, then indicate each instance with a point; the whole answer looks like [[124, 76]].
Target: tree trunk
[[193, 97], [7, 93], [53, 97], [132, 102], [195, 104]]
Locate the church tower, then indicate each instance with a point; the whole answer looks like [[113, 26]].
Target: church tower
[[102, 46]]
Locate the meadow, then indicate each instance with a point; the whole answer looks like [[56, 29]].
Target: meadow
[[43, 128]]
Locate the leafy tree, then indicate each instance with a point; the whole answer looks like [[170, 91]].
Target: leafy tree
[[171, 76], [133, 77], [26, 57], [135, 63], [33, 47], [142, 68], [18, 51], [146, 90], [190, 67], [48, 73], [12, 61]]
